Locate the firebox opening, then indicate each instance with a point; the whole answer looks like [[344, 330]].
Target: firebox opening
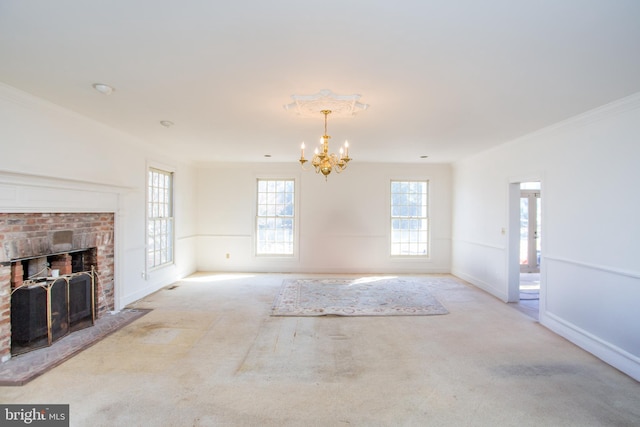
[[51, 296]]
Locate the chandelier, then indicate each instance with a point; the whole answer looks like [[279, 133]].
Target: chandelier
[[323, 161]]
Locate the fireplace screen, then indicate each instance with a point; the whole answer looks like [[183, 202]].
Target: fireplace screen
[[45, 311]]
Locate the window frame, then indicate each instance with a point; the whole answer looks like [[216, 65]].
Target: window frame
[[294, 217], [170, 218], [426, 217]]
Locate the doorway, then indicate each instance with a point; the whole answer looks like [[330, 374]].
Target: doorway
[[530, 224], [525, 246]]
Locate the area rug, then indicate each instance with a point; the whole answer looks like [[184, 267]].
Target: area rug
[[356, 297]]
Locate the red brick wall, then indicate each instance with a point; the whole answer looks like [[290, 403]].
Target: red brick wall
[[25, 235], [5, 313]]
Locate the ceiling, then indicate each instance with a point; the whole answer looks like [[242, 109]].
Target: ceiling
[[443, 78]]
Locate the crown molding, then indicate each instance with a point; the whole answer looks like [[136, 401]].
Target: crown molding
[[610, 109]]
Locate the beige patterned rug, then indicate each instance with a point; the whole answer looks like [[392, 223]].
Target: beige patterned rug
[[357, 297]]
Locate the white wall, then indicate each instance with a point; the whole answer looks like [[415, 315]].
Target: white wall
[[54, 160], [344, 222], [588, 168]]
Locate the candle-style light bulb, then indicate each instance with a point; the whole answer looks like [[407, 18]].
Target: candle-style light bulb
[[346, 148], [341, 152], [302, 150]]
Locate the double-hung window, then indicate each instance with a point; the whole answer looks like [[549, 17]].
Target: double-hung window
[[159, 218], [409, 218], [275, 217]]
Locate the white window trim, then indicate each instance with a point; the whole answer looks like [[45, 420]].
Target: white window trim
[[296, 218], [410, 258], [172, 170]]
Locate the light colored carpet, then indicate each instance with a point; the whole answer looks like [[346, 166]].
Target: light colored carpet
[[23, 368], [374, 296], [209, 354]]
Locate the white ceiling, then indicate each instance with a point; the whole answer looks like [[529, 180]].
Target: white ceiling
[[443, 78]]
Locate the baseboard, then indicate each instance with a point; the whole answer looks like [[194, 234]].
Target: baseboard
[[614, 356], [503, 296], [147, 290]]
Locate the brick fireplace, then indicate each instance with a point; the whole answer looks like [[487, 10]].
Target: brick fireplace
[[56, 236]]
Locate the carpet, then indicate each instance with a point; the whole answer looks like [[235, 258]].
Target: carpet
[[356, 297], [21, 369]]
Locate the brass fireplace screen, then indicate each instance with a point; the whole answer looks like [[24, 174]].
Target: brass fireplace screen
[[46, 309]]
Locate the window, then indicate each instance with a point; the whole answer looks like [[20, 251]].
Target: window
[[275, 217], [160, 218], [409, 218]]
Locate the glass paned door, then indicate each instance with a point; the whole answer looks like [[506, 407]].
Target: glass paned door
[[530, 231]]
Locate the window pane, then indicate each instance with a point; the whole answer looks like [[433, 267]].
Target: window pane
[[275, 200], [160, 218], [409, 210]]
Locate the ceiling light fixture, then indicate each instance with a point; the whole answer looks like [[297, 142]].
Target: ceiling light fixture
[[103, 88], [324, 161]]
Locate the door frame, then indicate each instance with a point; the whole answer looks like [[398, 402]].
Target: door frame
[[513, 239]]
